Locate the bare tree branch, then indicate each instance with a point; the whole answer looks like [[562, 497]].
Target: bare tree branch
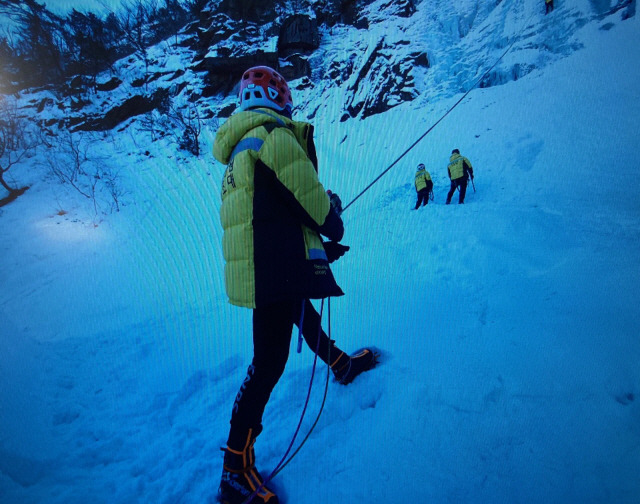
[[19, 138]]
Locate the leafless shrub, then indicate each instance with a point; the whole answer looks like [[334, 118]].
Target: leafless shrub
[[19, 138], [90, 174], [182, 125]]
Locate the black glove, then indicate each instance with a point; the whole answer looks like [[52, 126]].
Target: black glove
[[335, 201], [334, 250], [333, 227]]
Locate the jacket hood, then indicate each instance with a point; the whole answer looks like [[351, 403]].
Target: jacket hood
[[237, 126]]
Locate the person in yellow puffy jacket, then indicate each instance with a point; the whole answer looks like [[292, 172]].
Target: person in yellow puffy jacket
[[274, 211], [459, 170], [424, 186]]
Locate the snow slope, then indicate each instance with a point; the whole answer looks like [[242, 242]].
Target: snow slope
[[509, 324]]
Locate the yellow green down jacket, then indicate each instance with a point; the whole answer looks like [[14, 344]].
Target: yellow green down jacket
[[459, 166], [422, 176], [273, 211]]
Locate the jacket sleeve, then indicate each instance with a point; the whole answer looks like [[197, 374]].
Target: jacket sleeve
[[282, 153], [468, 167]]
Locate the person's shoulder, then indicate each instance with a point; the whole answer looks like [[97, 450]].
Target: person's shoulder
[[245, 120]]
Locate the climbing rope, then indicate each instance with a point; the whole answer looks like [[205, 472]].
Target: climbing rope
[[284, 461], [434, 125], [326, 389]]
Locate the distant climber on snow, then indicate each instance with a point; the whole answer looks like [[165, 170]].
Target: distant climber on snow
[[273, 211], [459, 170], [424, 186], [548, 4]]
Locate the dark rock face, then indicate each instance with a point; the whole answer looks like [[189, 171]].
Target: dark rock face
[[234, 35], [294, 67], [230, 42], [43, 103], [230, 36], [78, 85], [134, 106], [298, 33], [110, 85], [344, 11], [297, 38], [402, 8], [225, 47], [250, 10], [224, 70], [228, 47], [352, 12], [209, 31], [381, 83]]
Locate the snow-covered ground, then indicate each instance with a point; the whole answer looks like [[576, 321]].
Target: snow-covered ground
[[509, 325]]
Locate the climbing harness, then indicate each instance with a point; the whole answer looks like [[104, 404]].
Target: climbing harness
[[432, 127], [284, 461]]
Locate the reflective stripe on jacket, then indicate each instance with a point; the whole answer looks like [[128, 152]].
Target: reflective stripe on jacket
[[456, 166], [273, 211]]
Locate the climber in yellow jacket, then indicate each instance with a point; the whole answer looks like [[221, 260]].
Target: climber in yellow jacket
[[274, 211], [424, 186], [459, 170]]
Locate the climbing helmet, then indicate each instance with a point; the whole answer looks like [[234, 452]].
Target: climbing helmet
[[262, 86]]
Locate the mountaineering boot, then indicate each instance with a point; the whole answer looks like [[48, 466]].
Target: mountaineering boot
[[240, 478], [345, 368]]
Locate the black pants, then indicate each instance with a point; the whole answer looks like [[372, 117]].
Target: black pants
[[272, 328], [423, 195], [462, 184], [548, 7]]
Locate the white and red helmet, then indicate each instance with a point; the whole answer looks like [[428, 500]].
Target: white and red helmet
[[262, 86]]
